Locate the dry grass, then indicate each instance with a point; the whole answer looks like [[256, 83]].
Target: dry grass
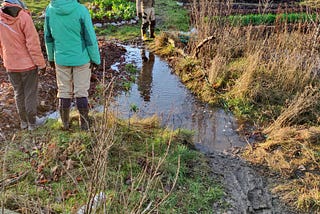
[[302, 103], [294, 154], [276, 70]]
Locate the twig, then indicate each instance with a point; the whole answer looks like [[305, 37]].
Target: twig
[[201, 44], [251, 147], [147, 208], [7, 182]]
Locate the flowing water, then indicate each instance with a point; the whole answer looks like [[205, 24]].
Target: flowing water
[[158, 91]]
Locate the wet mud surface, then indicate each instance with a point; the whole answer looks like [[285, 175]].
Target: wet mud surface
[[247, 189]]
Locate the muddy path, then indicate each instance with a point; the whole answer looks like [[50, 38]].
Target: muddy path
[[247, 190]]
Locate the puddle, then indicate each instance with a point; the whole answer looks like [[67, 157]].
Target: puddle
[[158, 91]]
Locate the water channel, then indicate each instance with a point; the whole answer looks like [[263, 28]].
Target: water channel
[[158, 91]]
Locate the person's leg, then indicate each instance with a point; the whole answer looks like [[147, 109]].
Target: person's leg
[[81, 76], [152, 23], [152, 29], [65, 93], [64, 110], [16, 81], [30, 84], [144, 26]]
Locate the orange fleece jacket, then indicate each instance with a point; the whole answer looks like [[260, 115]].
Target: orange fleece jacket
[[19, 42]]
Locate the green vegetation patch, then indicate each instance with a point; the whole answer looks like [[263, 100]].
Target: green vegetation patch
[[133, 164], [112, 10], [171, 16], [270, 19], [37, 6]]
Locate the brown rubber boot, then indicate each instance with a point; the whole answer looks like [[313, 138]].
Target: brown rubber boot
[[152, 28], [64, 114], [84, 119]]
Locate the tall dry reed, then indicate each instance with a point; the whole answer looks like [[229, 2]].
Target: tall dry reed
[[264, 65]]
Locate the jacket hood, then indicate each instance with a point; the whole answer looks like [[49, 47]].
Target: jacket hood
[[18, 2], [6, 18], [63, 7]]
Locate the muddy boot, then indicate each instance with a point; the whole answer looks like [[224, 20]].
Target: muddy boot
[[23, 120], [152, 28], [64, 109], [144, 36], [64, 114], [36, 123], [84, 119]]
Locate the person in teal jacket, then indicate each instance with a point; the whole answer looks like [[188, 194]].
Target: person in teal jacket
[[73, 51]]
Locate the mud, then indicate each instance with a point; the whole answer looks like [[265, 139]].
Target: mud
[[247, 190]]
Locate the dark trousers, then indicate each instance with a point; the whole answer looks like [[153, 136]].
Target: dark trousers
[[25, 85]]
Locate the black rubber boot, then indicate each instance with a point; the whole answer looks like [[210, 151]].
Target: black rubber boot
[[64, 114], [152, 28], [84, 118], [144, 32]]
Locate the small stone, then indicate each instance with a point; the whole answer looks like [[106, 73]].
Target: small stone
[[98, 25], [302, 168]]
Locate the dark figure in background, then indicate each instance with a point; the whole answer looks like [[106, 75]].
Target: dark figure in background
[[145, 10], [145, 77]]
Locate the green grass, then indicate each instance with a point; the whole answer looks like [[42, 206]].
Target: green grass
[[131, 171], [122, 33], [171, 16], [37, 6], [270, 19]]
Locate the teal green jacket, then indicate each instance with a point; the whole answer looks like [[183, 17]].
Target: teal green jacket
[[69, 34]]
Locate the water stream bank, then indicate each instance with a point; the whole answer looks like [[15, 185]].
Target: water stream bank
[[158, 91]]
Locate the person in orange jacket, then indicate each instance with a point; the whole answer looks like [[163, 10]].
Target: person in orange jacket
[[22, 57]]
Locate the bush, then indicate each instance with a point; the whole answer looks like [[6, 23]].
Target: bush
[[111, 10]]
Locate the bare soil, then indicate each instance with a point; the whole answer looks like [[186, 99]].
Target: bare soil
[[247, 187]]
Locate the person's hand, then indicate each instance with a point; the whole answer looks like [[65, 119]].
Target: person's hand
[[42, 71], [93, 66], [52, 64]]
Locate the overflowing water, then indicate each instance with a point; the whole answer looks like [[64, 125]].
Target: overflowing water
[[158, 91]]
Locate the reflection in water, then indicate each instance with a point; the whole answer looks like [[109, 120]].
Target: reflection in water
[[145, 77], [160, 92]]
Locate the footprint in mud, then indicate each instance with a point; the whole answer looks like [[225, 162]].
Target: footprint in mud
[[247, 191]]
